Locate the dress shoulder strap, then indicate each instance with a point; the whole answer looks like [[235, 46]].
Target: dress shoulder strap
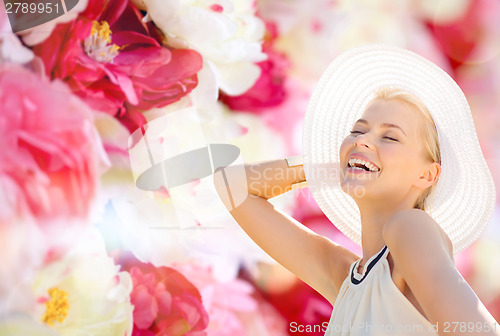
[[357, 278]]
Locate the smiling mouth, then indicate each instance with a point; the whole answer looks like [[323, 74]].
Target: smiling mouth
[[358, 165]]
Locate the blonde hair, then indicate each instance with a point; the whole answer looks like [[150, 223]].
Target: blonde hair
[[429, 133]]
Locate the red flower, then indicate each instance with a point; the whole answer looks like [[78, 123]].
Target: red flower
[[165, 302], [114, 61]]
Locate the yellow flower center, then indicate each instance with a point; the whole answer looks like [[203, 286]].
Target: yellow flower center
[[57, 306], [101, 30], [97, 45]]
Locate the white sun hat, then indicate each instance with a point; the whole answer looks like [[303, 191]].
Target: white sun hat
[[463, 200]]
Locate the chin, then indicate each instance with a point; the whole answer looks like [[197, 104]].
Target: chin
[[355, 190]]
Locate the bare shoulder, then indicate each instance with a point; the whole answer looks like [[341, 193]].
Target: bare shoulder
[[424, 261], [415, 231]]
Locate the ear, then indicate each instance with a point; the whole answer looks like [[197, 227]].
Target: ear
[[429, 176]]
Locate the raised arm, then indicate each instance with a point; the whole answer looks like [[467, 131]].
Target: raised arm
[[314, 259]]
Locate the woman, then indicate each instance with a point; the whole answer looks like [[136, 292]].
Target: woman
[[392, 158]]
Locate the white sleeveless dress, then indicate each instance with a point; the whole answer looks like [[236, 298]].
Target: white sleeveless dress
[[371, 304]]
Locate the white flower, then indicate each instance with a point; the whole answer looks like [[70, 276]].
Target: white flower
[[15, 325], [82, 293], [26, 248], [226, 33]]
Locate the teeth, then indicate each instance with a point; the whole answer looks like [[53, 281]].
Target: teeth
[[368, 165]]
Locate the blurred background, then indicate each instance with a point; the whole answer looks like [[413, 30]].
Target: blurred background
[[93, 99]]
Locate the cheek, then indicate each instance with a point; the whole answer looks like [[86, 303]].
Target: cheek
[[344, 147], [400, 161]]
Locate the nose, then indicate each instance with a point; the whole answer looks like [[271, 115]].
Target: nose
[[362, 140]]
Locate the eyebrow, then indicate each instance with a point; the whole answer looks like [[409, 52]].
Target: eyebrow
[[363, 121]]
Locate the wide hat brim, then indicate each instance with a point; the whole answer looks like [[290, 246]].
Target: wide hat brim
[[463, 200]]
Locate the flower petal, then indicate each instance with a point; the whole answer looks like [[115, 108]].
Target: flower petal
[[145, 307]]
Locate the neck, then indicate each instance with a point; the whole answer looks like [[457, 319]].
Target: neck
[[374, 216]]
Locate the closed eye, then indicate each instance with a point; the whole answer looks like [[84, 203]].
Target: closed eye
[[392, 139]]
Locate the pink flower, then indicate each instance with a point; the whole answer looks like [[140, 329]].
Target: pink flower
[[165, 302], [226, 302], [269, 89], [115, 62], [234, 306], [50, 150]]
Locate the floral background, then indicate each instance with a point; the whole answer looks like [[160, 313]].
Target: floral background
[[84, 250]]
